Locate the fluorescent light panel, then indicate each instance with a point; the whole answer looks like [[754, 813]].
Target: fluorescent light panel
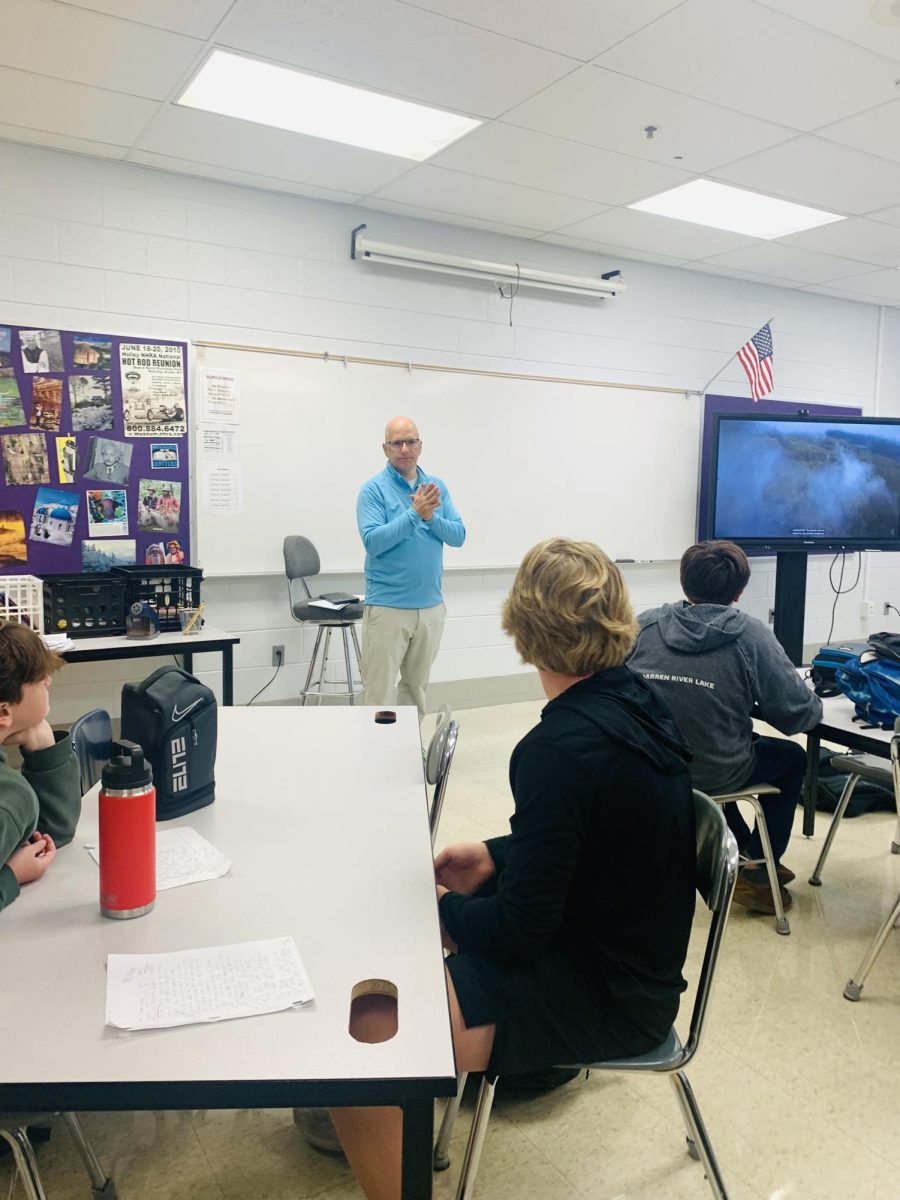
[[703, 202], [250, 90]]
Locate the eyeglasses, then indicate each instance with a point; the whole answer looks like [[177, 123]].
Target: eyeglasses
[[399, 443]]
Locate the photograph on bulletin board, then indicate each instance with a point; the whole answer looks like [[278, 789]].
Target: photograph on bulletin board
[[93, 451]]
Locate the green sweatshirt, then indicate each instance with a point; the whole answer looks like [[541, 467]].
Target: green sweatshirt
[[45, 795]]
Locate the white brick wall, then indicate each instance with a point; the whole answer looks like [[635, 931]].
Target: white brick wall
[[93, 244]]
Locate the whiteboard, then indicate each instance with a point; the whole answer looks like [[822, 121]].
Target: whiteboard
[[523, 460]]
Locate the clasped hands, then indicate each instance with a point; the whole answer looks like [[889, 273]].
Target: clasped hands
[[426, 498]]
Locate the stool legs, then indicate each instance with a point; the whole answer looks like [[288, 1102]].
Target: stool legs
[[855, 985], [448, 1124], [319, 660], [852, 780], [782, 925], [26, 1167], [466, 1188]]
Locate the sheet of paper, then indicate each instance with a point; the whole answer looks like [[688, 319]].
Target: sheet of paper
[[215, 983], [220, 395], [323, 603], [223, 489], [216, 442], [182, 856]]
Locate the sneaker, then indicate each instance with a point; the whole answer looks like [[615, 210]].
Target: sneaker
[[316, 1127], [757, 897]]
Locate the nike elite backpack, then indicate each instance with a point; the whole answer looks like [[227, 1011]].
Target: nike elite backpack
[[172, 716]]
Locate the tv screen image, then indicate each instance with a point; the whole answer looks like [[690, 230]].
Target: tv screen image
[[801, 480]]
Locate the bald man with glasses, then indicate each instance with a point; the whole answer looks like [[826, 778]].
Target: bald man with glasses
[[405, 519]]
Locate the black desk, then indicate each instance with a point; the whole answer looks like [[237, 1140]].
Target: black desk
[[209, 640]]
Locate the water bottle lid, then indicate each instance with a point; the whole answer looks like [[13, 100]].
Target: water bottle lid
[[126, 768]]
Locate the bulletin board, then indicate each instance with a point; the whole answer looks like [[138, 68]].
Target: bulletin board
[[94, 468]]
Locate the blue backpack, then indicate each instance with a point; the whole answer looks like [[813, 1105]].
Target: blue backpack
[[873, 684]]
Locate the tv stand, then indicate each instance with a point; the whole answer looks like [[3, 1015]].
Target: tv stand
[[790, 601]]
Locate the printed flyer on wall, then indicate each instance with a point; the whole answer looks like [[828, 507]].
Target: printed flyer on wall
[[153, 403]]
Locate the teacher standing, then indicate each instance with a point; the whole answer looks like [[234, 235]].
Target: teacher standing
[[405, 517]]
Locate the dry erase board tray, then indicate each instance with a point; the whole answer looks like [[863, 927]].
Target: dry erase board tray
[[166, 589], [90, 605]]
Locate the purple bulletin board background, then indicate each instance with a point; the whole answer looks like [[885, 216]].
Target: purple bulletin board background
[[43, 558], [743, 404]]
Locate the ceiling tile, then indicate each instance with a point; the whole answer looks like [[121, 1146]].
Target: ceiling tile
[[883, 284], [500, 151], [61, 41], [820, 173], [788, 263], [855, 22], [188, 133], [857, 238], [711, 268], [650, 233], [579, 28], [56, 106], [430, 214], [182, 166], [757, 61], [61, 141], [876, 131], [441, 190], [616, 252], [387, 45], [605, 109], [198, 18]]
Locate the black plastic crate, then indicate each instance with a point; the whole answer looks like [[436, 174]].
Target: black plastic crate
[[89, 605], [166, 589]]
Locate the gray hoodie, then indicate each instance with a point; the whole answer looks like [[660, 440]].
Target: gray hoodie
[[713, 664]]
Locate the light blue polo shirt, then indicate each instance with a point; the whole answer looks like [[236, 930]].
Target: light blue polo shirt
[[404, 553]]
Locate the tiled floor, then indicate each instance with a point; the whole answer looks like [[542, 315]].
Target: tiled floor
[[798, 1086]]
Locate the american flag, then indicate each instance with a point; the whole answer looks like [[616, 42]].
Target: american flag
[[756, 359]]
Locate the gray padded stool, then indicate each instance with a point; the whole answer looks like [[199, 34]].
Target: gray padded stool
[[301, 562]]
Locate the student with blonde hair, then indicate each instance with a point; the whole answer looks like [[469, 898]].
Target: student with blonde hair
[[569, 934]]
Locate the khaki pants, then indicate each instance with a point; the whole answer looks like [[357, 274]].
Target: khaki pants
[[403, 640]]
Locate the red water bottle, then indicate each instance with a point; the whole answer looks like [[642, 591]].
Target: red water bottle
[[127, 834]]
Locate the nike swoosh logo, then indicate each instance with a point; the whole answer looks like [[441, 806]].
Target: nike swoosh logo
[[180, 714]]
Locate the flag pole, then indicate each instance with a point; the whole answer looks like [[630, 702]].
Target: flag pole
[[704, 390]]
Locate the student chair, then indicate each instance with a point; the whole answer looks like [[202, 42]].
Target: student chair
[[438, 760], [857, 767], [301, 562], [14, 1130], [782, 925], [92, 741], [717, 863], [854, 986]]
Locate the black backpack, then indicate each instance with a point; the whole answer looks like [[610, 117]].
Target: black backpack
[[172, 716]]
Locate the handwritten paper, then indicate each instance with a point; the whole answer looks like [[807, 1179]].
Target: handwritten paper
[[182, 856], [217, 983]]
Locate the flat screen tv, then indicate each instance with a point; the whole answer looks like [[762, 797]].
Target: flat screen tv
[[805, 483]]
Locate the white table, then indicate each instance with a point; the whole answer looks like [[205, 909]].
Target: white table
[[99, 649], [323, 814]]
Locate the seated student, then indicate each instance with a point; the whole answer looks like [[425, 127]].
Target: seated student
[[39, 808], [712, 664], [569, 934]]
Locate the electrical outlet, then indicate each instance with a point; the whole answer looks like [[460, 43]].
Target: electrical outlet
[[277, 656], [867, 608], [885, 612], [771, 616]]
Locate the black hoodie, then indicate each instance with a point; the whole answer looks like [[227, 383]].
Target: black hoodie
[[600, 861]]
